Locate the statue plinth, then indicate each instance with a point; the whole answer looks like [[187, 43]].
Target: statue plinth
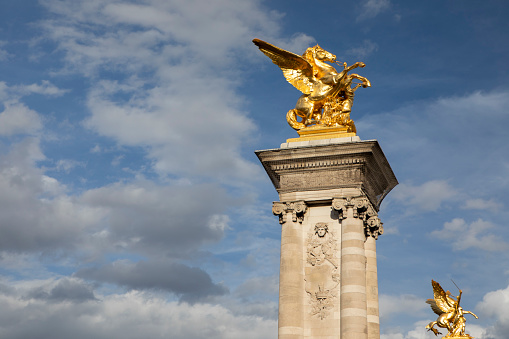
[[330, 193], [317, 132]]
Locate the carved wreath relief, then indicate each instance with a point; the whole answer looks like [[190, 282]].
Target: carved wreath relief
[[322, 274]]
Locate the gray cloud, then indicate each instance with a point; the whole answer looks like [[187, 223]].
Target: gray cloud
[[65, 290], [189, 283], [36, 215], [175, 220], [131, 316]]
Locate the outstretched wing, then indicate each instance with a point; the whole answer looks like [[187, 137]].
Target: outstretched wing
[[434, 306], [439, 304], [296, 69]]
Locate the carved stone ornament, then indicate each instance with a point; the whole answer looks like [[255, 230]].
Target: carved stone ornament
[[362, 209], [322, 275], [297, 208], [373, 227], [359, 204]]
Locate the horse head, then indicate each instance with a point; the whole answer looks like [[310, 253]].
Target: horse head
[[323, 55], [316, 57]]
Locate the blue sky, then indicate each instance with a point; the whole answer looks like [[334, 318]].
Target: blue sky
[[132, 204]]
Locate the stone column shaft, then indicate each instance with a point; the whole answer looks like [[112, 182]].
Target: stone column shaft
[[372, 289], [291, 276], [353, 278]]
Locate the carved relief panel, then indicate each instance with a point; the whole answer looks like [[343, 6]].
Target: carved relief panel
[[322, 270]]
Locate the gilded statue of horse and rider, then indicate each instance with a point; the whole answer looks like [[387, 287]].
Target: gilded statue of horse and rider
[[450, 313], [327, 94]]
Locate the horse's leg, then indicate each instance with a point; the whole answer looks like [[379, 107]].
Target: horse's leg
[[445, 320], [306, 107], [431, 328], [357, 64], [365, 82]]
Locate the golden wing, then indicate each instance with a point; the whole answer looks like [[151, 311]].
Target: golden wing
[[296, 69], [434, 306], [440, 305]]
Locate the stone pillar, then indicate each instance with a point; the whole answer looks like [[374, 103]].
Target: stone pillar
[[291, 276], [373, 229], [330, 192], [354, 324]]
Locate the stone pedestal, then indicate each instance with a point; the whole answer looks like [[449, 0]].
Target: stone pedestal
[[330, 193]]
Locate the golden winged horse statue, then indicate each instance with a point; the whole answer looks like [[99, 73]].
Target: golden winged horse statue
[[327, 94], [450, 313]]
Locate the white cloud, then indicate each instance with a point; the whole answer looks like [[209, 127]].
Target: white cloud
[[463, 236], [428, 196], [4, 55], [66, 165], [391, 305], [461, 140], [298, 43], [372, 8], [481, 204], [179, 66], [420, 332], [366, 48], [13, 93], [16, 118], [179, 129], [495, 304], [45, 88]]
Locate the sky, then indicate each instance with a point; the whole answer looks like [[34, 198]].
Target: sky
[[132, 204]]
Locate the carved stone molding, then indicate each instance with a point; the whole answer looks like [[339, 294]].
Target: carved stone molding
[[363, 210], [330, 166], [297, 208]]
